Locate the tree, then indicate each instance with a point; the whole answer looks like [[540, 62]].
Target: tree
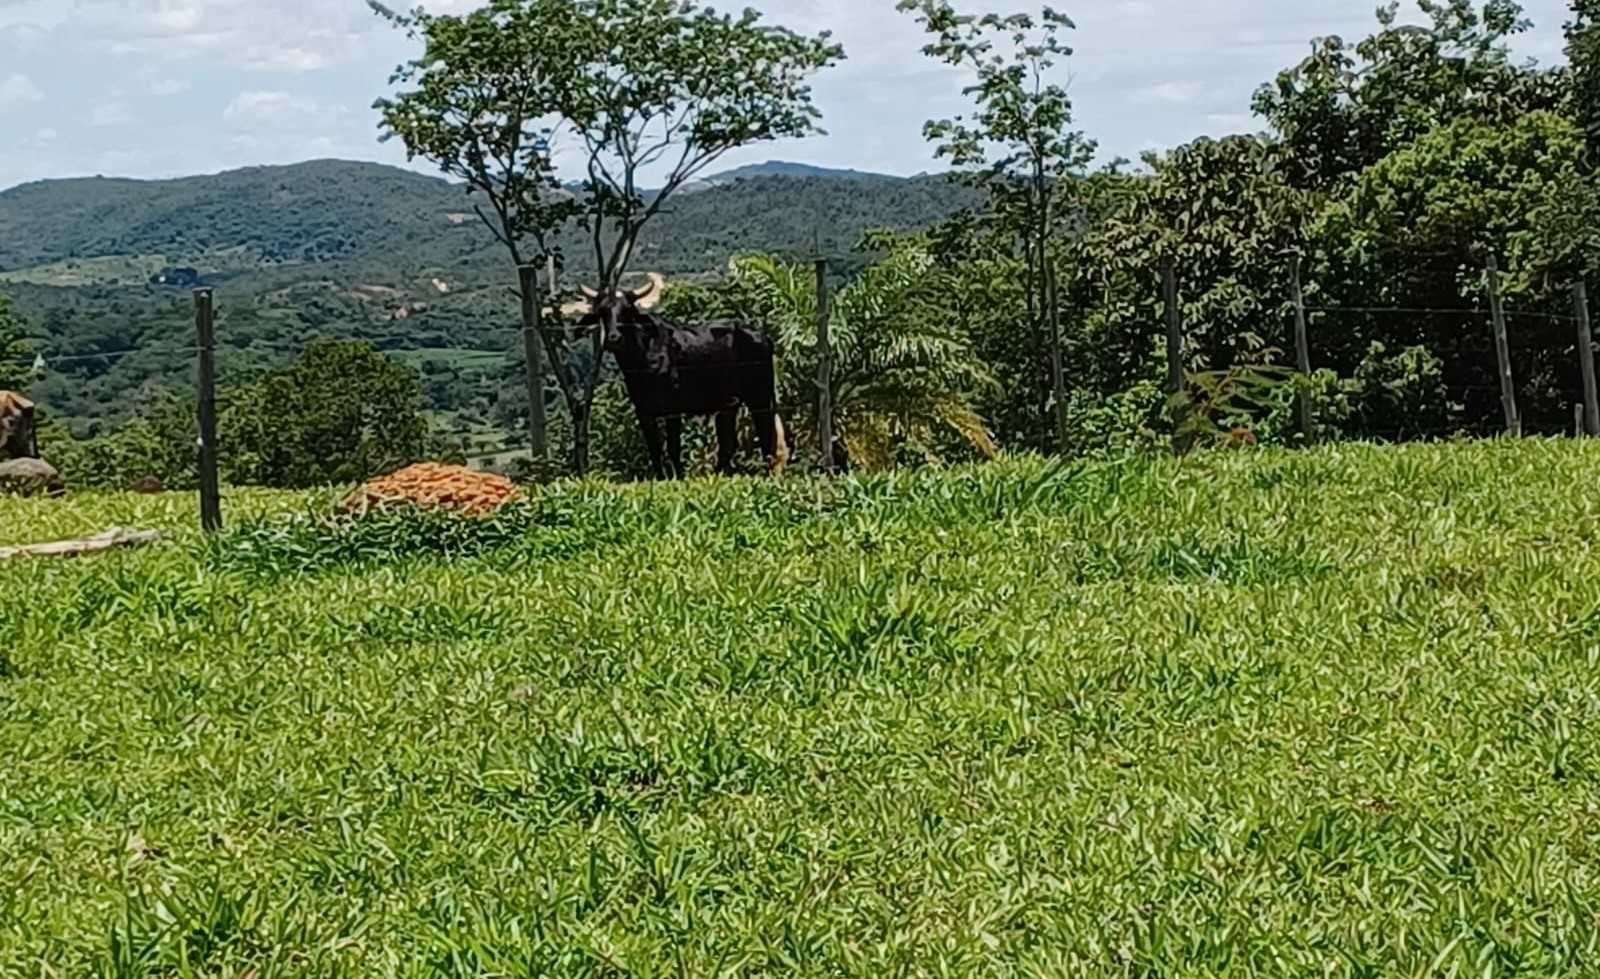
[[649, 88], [904, 376], [15, 352], [341, 413], [1346, 107], [1414, 230], [489, 92], [671, 88], [1018, 145], [1583, 52]]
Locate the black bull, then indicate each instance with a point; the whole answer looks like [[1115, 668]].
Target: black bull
[[675, 372]]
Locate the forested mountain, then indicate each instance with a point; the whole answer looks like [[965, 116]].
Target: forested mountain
[[101, 268], [332, 210]]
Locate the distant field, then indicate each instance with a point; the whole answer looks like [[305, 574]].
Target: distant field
[[465, 360], [1261, 714], [128, 270], [124, 269]]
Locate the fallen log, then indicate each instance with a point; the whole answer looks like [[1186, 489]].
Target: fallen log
[[114, 539]]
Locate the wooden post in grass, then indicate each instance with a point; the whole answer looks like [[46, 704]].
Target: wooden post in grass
[[824, 369], [1302, 349], [1058, 379], [1502, 350], [533, 357], [210, 481], [1591, 402], [1175, 384]]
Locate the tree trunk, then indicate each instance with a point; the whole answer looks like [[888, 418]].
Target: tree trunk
[[581, 414]]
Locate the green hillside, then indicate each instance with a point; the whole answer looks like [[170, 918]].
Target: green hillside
[[1255, 714], [328, 212], [312, 213], [349, 250]]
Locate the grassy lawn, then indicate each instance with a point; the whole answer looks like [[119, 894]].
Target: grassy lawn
[[1258, 714]]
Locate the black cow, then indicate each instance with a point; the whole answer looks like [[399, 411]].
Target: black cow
[[675, 372]]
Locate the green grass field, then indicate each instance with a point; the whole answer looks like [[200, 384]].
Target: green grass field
[[1257, 714]]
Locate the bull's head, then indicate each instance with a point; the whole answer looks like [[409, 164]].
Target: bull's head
[[618, 312]]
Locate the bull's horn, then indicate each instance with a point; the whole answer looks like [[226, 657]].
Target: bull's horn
[[651, 295], [588, 293]]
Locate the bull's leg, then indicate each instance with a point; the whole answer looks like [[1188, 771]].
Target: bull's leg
[[651, 427], [675, 446], [727, 440], [766, 420]]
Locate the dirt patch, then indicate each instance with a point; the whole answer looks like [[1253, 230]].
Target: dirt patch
[[434, 486]]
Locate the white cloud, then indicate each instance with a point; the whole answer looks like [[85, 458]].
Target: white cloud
[[16, 91], [276, 110], [111, 114], [292, 60], [1174, 92], [1229, 123], [294, 78]]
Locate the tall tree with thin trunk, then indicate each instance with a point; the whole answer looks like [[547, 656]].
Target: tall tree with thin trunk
[[484, 104], [653, 91], [667, 90], [1583, 52], [1019, 143]]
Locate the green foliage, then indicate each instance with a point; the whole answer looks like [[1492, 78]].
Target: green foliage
[[340, 413], [647, 730], [158, 443], [488, 90], [1347, 107], [1583, 52], [1469, 186], [1121, 424], [668, 82], [903, 373], [1216, 408], [15, 370], [1223, 213], [1018, 145]]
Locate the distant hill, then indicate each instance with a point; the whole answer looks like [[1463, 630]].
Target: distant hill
[[780, 168], [324, 212], [313, 212], [332, 248]]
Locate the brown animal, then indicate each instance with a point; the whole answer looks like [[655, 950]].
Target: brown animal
[[18, 440]]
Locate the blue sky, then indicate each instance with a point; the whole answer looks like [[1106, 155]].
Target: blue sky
[[157, 88]]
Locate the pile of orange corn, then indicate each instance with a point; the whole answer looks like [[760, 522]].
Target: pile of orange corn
[[435, 486]]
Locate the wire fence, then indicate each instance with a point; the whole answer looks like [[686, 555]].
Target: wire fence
[[1525, 363]]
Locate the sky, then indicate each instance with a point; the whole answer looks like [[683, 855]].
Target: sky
[[163, 88]]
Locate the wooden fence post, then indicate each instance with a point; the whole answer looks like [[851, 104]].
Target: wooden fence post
[[1175, 380], [1591, 402], [210, 481], [1502, 349], [533, 357], [824, 369], [1058, 379], [1302, 351]]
